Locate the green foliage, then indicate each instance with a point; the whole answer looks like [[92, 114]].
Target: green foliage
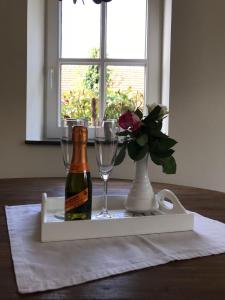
[[91, 78], [149, 139], [142, 140], [121, 100], [135, 151], [77, 103], [139, 113], [121, 155]]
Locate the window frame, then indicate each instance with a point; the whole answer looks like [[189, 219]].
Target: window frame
[[151, 62]]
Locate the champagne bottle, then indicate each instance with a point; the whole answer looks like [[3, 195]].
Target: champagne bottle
[[78, 191]]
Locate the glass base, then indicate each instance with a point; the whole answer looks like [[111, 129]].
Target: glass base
[[104, 214]]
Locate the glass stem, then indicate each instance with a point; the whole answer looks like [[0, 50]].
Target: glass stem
[[106, 194]]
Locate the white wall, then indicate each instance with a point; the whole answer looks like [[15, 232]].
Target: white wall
[[197, 103], [198, 92], [35, 69]]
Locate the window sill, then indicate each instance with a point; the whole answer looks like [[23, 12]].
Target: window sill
[[51, 142]]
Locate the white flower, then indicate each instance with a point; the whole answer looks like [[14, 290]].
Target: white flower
[[164, 111]]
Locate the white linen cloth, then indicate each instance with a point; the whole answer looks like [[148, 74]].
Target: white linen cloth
[[44, 266]]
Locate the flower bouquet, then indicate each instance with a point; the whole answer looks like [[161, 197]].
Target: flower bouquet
[[143, 135]]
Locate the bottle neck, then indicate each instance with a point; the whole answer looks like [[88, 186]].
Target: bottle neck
[[79, 161]]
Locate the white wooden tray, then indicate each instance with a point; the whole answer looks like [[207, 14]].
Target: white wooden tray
[[166, 217]]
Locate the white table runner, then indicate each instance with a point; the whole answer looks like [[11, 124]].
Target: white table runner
[[44, 266]]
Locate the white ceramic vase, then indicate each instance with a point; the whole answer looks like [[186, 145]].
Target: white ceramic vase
[[141, 196]]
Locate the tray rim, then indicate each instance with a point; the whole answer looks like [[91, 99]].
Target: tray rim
[[113, 227]]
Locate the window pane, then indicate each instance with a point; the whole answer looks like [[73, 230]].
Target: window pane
[[126, 28], [80, 29], [125, 89], [79, 91]]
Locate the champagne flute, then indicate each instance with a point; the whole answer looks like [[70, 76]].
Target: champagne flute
[[106, 143]]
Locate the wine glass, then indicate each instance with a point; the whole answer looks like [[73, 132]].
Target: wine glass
[[106, 143], [66, 138]]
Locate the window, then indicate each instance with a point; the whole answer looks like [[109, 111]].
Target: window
[[100, 55]]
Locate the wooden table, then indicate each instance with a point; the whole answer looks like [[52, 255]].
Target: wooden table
[[199, 278]]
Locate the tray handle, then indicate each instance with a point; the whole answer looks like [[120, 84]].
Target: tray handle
[[43, 206], [169, 208]]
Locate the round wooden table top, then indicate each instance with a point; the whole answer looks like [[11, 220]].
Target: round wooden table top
[[199, 278]]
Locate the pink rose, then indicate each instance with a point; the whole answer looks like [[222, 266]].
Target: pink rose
[[129, 120]]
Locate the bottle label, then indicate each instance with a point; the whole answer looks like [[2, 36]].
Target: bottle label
[[76, 200]]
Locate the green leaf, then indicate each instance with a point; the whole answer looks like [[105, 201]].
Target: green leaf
[[156, 125], [156, 159], [135, 151], [142, 140], [158, 133], [123, 133], [169, 165], [166, 153], [139, 113], [166, 143], [143, 151], [121, 155], [160, 147], [153, 115]]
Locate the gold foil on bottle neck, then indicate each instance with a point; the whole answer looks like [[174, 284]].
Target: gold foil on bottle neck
[[79, 162], [80, 134]]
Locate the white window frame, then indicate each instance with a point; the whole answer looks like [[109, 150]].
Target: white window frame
[[152, 62]]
